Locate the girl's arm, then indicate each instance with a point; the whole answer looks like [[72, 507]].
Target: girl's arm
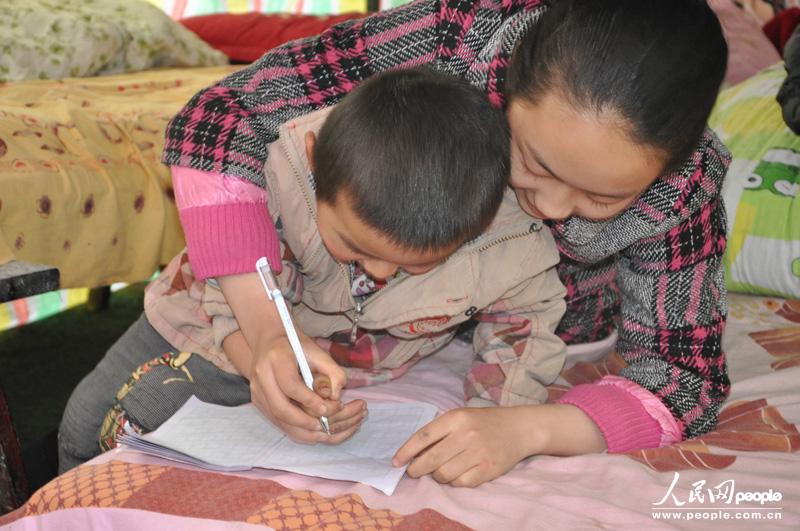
[[519, 355], [225, 130], [236, 207], [673, 309], [673, 306], [469, 446], [226, 223], [217, 144]]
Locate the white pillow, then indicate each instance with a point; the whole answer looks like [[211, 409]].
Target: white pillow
[[52, 39]]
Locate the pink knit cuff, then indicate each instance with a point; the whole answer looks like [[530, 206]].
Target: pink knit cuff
[[671, 429], [226, 223], [228, 239], [621, 417]]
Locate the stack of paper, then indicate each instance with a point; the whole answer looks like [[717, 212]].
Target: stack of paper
[[240, 438]]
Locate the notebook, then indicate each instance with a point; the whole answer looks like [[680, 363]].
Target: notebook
[[240, 438]]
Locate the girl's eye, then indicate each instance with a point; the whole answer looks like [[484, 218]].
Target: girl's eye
[[598, 204], [536, 173]]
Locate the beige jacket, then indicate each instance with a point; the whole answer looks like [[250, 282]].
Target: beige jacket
[[505, 278]]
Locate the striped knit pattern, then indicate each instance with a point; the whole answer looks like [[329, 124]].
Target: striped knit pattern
[[653, 272], [226, 128]]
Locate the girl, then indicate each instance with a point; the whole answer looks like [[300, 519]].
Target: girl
[[607, 104]]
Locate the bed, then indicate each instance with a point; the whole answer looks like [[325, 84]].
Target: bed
[[86, 89], [753, 450], [82, 188]]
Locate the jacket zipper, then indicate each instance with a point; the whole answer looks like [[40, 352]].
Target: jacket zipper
[[354, 330], [358, 305], [533, 227], [297, 175]]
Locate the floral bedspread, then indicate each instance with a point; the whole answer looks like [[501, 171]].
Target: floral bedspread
[[82, 187]]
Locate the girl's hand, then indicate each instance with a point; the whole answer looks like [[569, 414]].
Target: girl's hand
[[469, 446], [278, 390]]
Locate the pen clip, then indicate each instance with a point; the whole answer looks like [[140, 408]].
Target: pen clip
[[267, 278]]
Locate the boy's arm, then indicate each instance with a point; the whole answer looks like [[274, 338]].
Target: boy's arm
[[249, 312], [261, 353], [515, 338]]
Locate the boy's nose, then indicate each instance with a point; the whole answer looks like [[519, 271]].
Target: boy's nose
[[378, 269]]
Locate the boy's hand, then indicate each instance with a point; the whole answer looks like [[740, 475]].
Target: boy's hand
[[278, 390], [344, 423], [261, 353]]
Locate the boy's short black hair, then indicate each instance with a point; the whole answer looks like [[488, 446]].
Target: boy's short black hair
[[657, 64], [423, 156]]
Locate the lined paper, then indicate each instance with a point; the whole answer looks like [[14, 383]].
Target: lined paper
[[240, 438]]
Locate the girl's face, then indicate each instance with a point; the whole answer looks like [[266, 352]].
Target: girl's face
[[567, 163]]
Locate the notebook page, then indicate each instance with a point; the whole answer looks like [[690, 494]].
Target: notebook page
[[218, 435], [241, 436]]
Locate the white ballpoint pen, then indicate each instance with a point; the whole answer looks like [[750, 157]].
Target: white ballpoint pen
[[275, 295]]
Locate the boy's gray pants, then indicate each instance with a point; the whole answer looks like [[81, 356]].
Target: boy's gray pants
[[152, 399]]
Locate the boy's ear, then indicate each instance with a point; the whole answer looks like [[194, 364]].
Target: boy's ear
[[311, 141]]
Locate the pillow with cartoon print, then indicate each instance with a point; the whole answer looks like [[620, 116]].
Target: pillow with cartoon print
[[762, 189]]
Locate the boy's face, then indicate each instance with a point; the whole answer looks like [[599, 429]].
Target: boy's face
[[349, 239]]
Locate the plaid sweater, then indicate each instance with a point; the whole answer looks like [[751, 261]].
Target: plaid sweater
[[654, 272]]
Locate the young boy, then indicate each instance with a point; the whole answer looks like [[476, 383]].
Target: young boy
[[394, 231]]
